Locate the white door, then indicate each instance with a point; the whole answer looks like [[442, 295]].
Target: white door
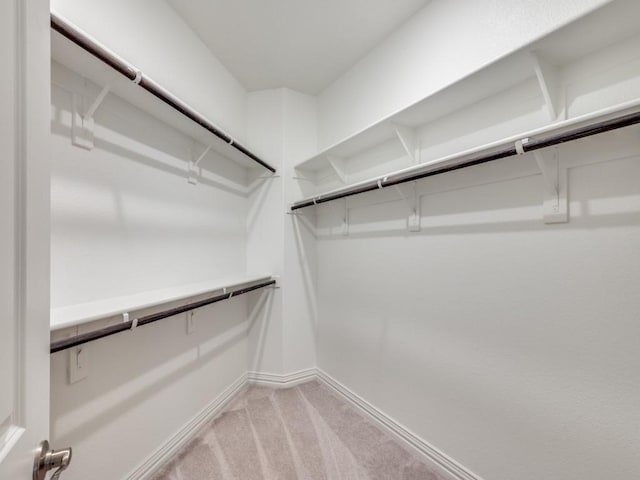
[[24, 233]]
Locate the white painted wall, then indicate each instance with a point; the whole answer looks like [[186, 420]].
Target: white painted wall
[[125, 220], [282, 125], [153, 37], [443, 43], [300, 264], [145, 387], [490, 323], [123, 206], [265, 224], [508, 344], [505, 343]]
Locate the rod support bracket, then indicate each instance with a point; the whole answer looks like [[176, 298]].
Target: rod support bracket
[[409, 195], [554, 173], [83, 125], [193, 168], [193, 172]]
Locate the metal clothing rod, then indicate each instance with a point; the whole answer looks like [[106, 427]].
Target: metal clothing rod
[[508, 150], [145, 320], [69, 31]]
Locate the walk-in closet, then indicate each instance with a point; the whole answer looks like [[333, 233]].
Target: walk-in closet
[[320, 240]]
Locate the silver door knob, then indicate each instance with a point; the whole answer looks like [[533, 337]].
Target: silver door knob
[[46, 460]]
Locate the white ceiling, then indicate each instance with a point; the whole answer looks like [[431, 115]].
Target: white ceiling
[[300, 44]]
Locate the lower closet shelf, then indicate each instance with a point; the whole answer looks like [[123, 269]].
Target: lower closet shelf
[[175, 299]]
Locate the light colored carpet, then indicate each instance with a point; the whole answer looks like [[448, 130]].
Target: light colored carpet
[[303, 432]]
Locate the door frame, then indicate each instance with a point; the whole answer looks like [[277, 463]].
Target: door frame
[[30, 68]]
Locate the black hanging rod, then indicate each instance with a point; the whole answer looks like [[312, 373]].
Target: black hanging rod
[[509, 150], [147, 319], [69, 31]]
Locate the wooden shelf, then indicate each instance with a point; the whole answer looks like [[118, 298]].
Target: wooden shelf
[[74, 315]]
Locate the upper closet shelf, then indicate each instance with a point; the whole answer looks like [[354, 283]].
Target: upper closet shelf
[[74, 315], [544, 63], [603, 121], [79, 52]]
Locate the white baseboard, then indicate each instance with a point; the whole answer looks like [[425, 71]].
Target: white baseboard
[[282, 381], [431, 454], [404, 435], [166, 451]]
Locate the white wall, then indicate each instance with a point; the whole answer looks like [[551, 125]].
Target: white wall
[[506, 343], [125, 220], [300, 265], [265, 223], [443, 43], [153, 37], [144, 387], [282, 125], [490, 324]]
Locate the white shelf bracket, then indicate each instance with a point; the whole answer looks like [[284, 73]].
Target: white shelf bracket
[[98, 101], [202, 155], [302, 179], [556, 205], [303, 175], [408, 139], [268, 176], [550, 84], [193, 169], [338, 167], [82, 127], [260, 180], [412, 201]]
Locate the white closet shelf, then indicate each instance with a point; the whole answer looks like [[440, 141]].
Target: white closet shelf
[[74, 315], [546, 57], [77, 59], [500, 149]]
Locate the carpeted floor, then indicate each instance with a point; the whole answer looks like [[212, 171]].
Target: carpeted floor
[[303, 432]]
